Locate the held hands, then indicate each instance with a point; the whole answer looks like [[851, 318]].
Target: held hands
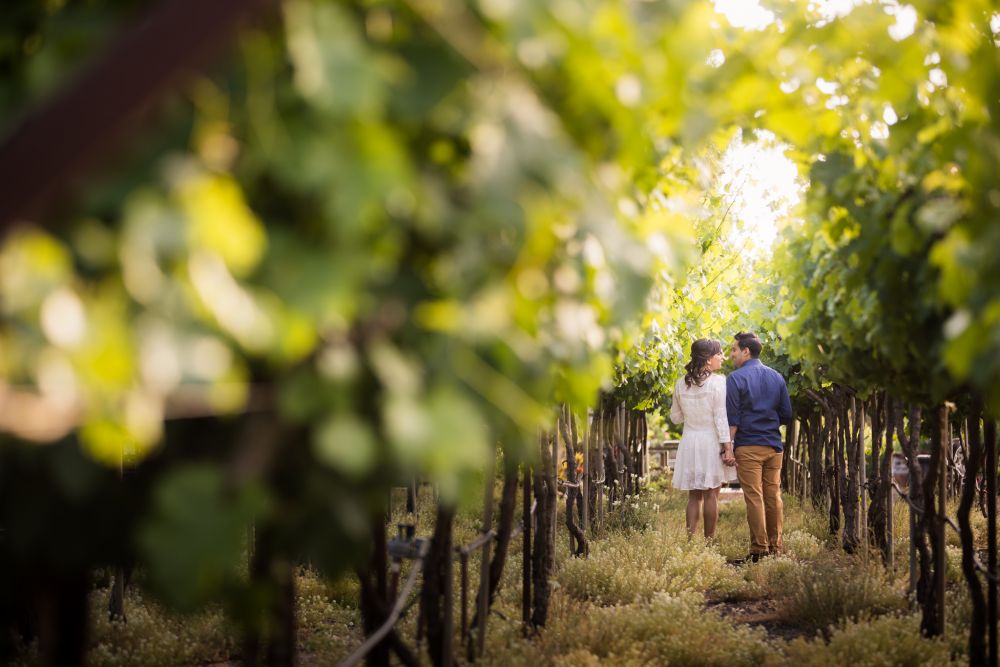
[[728, 458]]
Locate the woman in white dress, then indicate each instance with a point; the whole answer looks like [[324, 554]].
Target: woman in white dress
[[700, 405]]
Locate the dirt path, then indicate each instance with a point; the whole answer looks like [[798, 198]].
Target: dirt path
[[727, 495], [758, 614]]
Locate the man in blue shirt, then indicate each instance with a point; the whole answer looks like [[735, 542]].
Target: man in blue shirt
[[757, 404]]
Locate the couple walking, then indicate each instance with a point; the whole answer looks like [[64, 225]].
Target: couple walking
[[731, 432]]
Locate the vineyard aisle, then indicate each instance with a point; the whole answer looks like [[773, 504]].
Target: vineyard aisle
[[341, 332], [644, 596]]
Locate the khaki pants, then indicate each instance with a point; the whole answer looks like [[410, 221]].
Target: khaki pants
[[759, 470]]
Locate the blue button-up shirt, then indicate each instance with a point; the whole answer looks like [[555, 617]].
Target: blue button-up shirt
[[757, 403]]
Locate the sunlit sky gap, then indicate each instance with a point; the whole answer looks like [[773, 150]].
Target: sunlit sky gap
[[763, 180], [764, 185]]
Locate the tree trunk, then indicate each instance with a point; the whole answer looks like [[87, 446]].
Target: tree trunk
[[572, 487], [272, 639], [116, 599], [611, 478], [635, 417], [888, 498], [878, 485], [817, 478], [849, 495], [581, 498], [476, 645], [542, 557], [527, 559], [929, 588], [283, 641], [595, 443], [62, 620], [787, 458], [624, 433], [924, 507], [990, 473], [977, 629], [374, 592], [508, 506], [436, 609], [824, 490], [644, 445], [832, 451], [553, 498]]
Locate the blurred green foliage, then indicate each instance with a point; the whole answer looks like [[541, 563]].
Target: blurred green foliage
[[414, 226], [883, 277], [889, 277], [409, 227]]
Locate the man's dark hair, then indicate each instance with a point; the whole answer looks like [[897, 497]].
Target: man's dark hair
[[749, 341]]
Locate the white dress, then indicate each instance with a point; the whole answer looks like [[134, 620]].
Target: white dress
[[702, 410]]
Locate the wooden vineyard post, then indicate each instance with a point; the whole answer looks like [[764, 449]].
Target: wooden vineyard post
[[554, 472], [890, 537], [880, 487], [990, 432], [577, 538], [411, 495], [374, 591], [850, 437], [585, 482], [796, 472], [618, 447], [863, 473], [624, 460], [599, 450], [463, 569], [788, 461], [977, 625], [526, 549], [543, 556], [116, 603], [449, 607], [484, 563], [920, 557], [912, 587], [941, 561], [951, 471], [579, 496], [437, 594], [645, 447], [886, 479], [930, 529]]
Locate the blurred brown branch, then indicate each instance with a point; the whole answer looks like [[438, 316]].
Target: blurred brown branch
[[36, 417], [55, 144]]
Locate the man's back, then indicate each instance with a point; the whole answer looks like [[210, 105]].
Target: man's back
[[757, 403]]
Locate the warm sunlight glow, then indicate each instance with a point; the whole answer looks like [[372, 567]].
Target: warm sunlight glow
[[750, 15], [747, 14], [764, 186], [832, 9]]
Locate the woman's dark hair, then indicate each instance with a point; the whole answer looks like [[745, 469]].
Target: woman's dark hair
[[749, 341], [702, 350]]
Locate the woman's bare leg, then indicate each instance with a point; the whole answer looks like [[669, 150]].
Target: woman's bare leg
[[711, 511], [694, 510]]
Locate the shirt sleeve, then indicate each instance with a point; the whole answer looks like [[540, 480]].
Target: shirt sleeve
[[676, 413], [784, 404], [733, 402], [719, 411]]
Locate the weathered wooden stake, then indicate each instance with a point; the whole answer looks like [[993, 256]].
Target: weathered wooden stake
[[990, 433], [585, 488], [484, 563], [526, 520]]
